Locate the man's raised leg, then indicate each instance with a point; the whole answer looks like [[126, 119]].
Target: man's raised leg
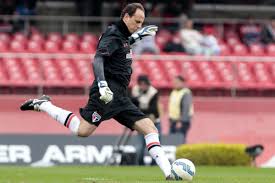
[[64, 117]]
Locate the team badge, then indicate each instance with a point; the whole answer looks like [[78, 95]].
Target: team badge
[[95, 117]]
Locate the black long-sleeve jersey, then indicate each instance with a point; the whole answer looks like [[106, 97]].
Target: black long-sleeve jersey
[[114, 48]]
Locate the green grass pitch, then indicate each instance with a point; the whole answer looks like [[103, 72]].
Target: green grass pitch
[[117, 174]]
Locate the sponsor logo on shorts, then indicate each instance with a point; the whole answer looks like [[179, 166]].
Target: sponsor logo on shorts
[[95, 117]]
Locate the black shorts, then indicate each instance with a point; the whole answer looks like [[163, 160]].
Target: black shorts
[[120, 108]]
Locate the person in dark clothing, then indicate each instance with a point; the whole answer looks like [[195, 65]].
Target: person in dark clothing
[[180, 108], [268, 32], [146, 97], [108, 96]]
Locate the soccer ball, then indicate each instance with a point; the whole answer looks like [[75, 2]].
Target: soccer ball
[[183, 169]]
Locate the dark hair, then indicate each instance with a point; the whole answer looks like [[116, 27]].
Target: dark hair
[[130, 9], [180, 78], [143, 79]]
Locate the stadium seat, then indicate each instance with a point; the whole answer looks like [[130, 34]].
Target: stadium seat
[[225, 71], [209, 75], [245, 76], [256, 50], [240, 50], [91, 38], [69, 47], [72, 37], [51, 47], [87, 47], [33, 71], [262, 75], [191, 74], [55, 37], [84, 69], [20, 37], [225, 49], [3, 46], [270, 49], [17, 46], [4, 37], [155, 72], [14, 72], [37, 37], [34, 46], [68, 72], [3, 75]]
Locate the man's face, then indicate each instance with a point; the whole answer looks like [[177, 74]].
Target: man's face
[[178, 84], [143, 86], [134, 22]]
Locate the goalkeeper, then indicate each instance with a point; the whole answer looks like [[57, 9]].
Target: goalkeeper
[[108, 94]]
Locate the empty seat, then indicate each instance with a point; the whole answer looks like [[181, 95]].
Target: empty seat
[[72, 37], [34, 46], [256, 50], [17, 46], [69, 47], [51, 47], [87, 47], [270, 49], [240, 50], [4, 37], [55, 37]]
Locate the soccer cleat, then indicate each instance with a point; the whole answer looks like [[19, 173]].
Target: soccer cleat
[[170, 177], [33, 104]]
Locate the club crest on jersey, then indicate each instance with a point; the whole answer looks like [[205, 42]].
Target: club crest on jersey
[[95, 117]]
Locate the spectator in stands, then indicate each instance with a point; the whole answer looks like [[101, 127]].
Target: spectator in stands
[[191, 38], [250, 32], [209, 43], [268, 32], [180, 108], [196, 43], [146, 45], [23, 8], [146, 97], [174, 45]]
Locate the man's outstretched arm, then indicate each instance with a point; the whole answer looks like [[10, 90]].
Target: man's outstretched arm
[[104, 90]]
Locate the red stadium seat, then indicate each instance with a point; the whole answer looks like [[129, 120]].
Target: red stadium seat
[[191, 74], [72, 37], [68, 73], [209, 74], [3, 47], [4, 37], [87, 47], [270, 49], [240, 50], [55, 37], [226, 73], [17, 46], [51, 47], [69, 47], [256, 50], [262, 75], [225, 50], [15, 72], [34, 46], [83, 67], [52, 76], [245, 76], [37, 37], [33, 71], [20, 37], [91, 38], [3, 75]]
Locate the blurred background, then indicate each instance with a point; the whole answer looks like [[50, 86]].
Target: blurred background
[[225, 50]]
